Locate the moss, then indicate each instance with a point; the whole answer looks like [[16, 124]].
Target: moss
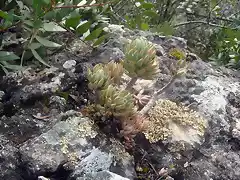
[[169, 120]]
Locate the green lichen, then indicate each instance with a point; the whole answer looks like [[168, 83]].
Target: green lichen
[[166, 118]]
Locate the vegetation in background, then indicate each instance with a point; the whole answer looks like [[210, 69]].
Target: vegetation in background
[[30, 24], [207, 24]]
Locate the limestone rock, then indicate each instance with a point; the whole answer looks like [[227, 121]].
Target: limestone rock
[[76, 144]]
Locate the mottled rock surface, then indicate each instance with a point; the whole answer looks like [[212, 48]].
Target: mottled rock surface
[[75, 144]]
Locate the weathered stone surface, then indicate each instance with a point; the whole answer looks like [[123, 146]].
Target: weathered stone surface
[[76, 144], [102, 175], [9, 160]]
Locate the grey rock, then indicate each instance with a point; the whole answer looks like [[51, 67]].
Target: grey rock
[[77, 144], [1, 95], [102, 175], [9, 160], [69, 64]]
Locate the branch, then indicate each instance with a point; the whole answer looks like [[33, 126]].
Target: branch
[[218, 18], [155, 95], [201, 22], [86, 5]]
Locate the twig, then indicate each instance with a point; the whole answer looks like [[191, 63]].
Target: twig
[[155, 95], [218, 18], [200, 22], [86, 5], [131, 83], [34, 33]]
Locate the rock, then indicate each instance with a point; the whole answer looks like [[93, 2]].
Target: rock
[[9, 160], [76, 144], [1, 94], [57, 102], [179, 126], [102, 175], [69, 64]]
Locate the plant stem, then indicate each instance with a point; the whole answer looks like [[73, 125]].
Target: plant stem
[[155, 95], [34, 33], [200, 22], [131, 83]]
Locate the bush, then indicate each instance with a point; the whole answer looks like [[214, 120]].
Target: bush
[[36, 20]]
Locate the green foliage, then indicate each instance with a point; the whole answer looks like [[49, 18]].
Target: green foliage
[[227, 48], [197, 21], [36, 20]]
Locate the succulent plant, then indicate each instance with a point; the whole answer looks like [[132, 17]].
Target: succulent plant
[[119, 102], [98, 78], [140, 59], [115, 71], [133, 125]]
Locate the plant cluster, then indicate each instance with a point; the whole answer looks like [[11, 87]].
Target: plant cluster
[[30, 23], [122, 101]]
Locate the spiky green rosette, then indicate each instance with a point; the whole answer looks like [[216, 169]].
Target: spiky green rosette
[[98, 78], [115, 71], [118, 102], [140, 59]]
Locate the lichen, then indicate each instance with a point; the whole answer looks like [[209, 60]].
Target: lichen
[[169, 120], [85, 126]]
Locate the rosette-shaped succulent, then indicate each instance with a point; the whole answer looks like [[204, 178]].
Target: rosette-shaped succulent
[[98, 77], [140, 59], [115, 71], [133, 125], [119, 102]]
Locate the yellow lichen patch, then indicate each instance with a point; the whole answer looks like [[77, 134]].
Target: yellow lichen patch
[[86, 129], [176, 122], [64, 145], [84, 126]]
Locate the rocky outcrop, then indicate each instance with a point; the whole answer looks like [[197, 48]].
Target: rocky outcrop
[[43, 136]]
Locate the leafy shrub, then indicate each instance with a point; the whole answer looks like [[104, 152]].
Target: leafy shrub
[[36, 20], [227, 48]]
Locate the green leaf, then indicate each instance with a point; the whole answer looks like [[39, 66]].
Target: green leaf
[[47, 1], [72, 22], [37, 24], [4, 69], [28, 22], [3, 14], [94, 34], [13, 67], [36, 55], [50, 15], [34, 45], [147, 5], [150, 13], [144, 26], [99, 40], [84, 27], [53, 27], [8, 56], [166, 28], [47, 43]]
